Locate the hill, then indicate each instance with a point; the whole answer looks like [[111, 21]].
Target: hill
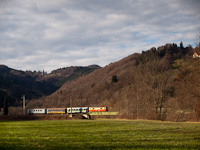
[[143, 86], [63, 75], [15, 83]]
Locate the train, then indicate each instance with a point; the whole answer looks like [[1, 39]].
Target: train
[[68, 110]]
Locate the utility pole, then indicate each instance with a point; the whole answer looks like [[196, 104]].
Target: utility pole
[[71, 105], [24, 104], [70, 100]]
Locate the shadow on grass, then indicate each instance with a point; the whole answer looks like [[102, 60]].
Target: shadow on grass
[[155, 146]]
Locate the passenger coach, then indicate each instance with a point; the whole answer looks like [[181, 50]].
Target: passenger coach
[[77, 110], [36, 111], [56, 110]]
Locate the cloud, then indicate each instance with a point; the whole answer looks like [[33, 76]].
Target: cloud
[[49, 34]]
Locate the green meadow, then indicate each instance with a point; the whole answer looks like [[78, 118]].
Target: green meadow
[[98, 134]]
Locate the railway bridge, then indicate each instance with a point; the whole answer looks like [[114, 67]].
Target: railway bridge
[[100, 113]]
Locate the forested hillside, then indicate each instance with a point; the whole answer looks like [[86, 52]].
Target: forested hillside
[[161, 83], [15, 83], [63, 75]]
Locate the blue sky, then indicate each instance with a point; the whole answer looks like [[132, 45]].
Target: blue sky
[[49, 34]]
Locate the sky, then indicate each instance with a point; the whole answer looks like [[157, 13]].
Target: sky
[[51, 34]]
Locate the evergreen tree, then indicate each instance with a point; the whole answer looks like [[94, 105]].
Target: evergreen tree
[[5, 106], [181, 45], [114, 78]]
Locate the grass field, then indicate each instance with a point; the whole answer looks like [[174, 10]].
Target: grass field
[[98, 134]]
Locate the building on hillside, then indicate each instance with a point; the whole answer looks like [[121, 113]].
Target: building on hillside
[[195, 55]]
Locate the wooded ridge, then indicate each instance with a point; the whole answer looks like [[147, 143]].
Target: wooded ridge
[[161, 83]]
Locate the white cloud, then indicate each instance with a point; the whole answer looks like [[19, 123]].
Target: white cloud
[[50, 34]]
